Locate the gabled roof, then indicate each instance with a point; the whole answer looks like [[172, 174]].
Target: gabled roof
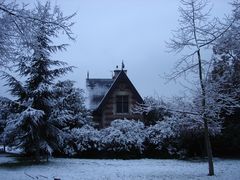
[[121, 77]]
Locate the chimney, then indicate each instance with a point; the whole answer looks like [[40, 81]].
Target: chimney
[[117, 71], [88, 75]]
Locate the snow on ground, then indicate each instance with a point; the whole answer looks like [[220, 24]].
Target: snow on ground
[[144, 169], [10, 150]]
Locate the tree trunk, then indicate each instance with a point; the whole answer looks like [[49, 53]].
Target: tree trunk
[[4, 144], [206, 130], [4, 147], [208, 149], [37, 153], [37, 156]]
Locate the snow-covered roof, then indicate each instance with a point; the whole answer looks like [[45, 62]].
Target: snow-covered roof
[[97, 88]]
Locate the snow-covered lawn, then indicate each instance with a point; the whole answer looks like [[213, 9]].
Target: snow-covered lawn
[[146, 169]]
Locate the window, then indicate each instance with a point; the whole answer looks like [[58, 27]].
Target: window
[[122, 104]]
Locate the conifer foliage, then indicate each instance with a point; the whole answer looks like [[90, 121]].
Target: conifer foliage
[[68, 108], [31, 127]]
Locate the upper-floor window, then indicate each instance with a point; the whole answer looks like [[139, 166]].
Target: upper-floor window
[[122, 104]]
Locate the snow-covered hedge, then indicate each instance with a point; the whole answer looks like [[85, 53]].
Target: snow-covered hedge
[[161, 132], [81, 139], [120, 136], [123, 135], [86, 138], [131, 136]]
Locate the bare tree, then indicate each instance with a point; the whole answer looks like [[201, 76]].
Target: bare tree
[[195, 33]]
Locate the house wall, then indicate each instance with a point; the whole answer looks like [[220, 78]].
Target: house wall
[[109, 111]]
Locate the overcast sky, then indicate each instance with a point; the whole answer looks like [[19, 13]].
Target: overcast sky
[[109, 31]]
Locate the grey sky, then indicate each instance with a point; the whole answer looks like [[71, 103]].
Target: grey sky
[[108, 31]]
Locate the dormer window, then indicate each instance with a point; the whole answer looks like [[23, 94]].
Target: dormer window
[[122, 105]]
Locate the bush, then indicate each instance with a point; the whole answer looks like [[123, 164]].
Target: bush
[[82, 139], [123, 135]]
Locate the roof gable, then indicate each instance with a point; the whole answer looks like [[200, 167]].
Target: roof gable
[[120, 78]]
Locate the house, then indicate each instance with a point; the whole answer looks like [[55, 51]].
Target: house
[[113, 98]]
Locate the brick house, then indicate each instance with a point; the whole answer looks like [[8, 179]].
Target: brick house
[[111, 99]]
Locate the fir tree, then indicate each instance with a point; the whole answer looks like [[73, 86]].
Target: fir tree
[[30, 127]]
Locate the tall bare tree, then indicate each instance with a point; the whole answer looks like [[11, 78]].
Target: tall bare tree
[[195, 33]]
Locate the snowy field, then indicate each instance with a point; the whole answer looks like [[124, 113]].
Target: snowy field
[[144, 169]]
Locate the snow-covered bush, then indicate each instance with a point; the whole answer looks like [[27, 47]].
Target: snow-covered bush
[[68, 106], [153, 110], [87, 138], [82, 139], [123, 135], [176, 132], [163, 136], [162, 131]]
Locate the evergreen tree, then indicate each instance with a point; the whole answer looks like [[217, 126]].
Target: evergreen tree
[[31, 127], [4, 113]]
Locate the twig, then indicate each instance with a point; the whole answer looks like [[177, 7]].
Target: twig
[[43, 176], [28, 175]]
